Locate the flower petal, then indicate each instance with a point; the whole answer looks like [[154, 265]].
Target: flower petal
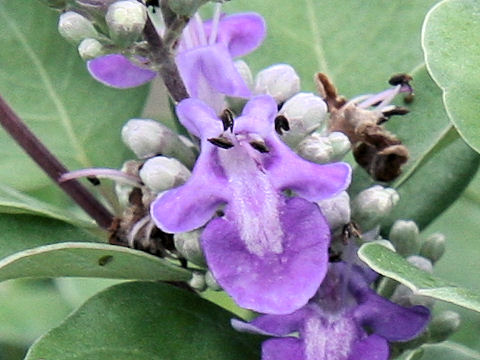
[[241, 33], [191, 205], [210, 67], [199, 118], [283, 349], [258, 116], [373, 347], [117, 71], [274, 283], [276, 325], [311, 181], [389, 320]]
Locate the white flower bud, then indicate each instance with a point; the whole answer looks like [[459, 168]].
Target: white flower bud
[[126, 20], [162, 173], [336, 210], [371, 205], [316, 148], [75, 27], [305, 113], [147, 138], [197, 281], [433, 247], [405, 237], [188, 244], [279, 81], [123, 190], [443, 325], [211, 282], [340, 145], [90, 49]]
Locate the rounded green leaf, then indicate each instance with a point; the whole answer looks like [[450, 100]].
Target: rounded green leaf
[[448, 351], [44, 80], [89, 260], [389, 264], [450, 42], [145, 321]]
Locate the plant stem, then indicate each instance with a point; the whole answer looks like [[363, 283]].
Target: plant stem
[[52, 166], [162, 56]]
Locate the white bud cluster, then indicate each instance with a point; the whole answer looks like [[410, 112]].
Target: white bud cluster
[[336, 210], [405, 237], [188, 244], [161, 173]]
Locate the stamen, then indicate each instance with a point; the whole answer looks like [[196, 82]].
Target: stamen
[[200, 29], [187, 36], [215, 21], [260, 146], [113, 174], [221, 142], [383, 97], [281, 123], [400, 79], [135, 230], [227, 119]]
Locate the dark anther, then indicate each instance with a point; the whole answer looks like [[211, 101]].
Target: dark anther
[[93, 180], [222, 142], [400, 79], [260, 146], [281, 124], [397, 110], [227, 119]]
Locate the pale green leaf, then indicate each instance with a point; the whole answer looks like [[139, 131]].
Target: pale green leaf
[[89, 260], [145, 321], [389, 264], [44, 80], [450, 41]]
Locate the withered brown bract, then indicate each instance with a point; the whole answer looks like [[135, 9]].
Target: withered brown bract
[[375, 149]]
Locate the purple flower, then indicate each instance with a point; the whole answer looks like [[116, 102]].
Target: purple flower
[[267, 250], [204, 58], [333, 325]]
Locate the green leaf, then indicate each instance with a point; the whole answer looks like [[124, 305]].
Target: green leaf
[[22, 232], [450, 41], [389, 264], [21, 303], [448, 351], [145, 321], [15, 202], [89, 260], [380, 38], [44, 80]]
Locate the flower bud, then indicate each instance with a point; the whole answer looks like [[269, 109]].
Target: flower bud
[[161, 173], [443, 326], [305, 113], [212, 284], [371, 205], [75, 27], [147, 138], [404, 236], [433, 247], [197, 281], [324, 149], [185, 7], [279, 81], [188, 244], [126, 20], [123, 190], [245, 72], [90, 49], [336, 210]]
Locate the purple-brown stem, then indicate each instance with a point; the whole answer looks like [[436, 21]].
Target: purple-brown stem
[[162, 56], [50, 164]]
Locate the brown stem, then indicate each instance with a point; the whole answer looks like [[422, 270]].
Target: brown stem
[[49, 163], [163, 57]]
